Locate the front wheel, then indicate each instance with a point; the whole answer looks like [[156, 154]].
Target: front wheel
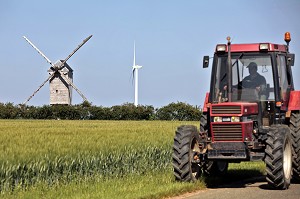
[[185, 151], [279, 157]]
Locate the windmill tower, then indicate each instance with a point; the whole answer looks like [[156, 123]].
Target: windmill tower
[[60, 78], [135, 71]]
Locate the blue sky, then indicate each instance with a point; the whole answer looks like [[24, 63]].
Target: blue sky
[[171, 38]]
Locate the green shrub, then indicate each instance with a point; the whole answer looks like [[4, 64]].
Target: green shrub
[[178, 111], [85, 111]]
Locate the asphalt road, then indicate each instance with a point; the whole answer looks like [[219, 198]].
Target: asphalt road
[[250, 189]]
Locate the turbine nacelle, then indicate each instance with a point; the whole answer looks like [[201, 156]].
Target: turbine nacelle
[[136, 67]]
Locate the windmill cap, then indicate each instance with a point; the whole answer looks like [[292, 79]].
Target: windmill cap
[[252, 64]]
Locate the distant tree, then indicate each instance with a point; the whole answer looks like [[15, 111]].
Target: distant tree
[[129, 111], [178, 111], [8, 111], [86, 111], [99, 113], [44, 112], [85, 104]]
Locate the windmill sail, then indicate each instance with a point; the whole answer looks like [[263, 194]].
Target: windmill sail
[[74, 51], [61, 77], [39, 51], [37, 90]]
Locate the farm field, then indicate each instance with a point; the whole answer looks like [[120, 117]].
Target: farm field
[[94, 159]]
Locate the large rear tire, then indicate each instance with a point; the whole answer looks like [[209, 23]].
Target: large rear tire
[[185, 149], [295, 131], [279, 157]]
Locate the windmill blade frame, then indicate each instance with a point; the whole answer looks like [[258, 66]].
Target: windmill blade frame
[[65, 75], [74, 51], [39, 51], [75, 88], [37, 90]]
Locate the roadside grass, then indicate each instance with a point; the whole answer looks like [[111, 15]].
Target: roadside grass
[[148, 186], [96, 159], [156, 185]]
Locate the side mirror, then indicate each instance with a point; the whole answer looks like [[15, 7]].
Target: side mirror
[[290, 59], [205, 61]]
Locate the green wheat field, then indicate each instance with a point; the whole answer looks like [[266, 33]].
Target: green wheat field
[[95, 159]]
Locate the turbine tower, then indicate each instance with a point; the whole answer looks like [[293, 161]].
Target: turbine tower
[[135, 71]]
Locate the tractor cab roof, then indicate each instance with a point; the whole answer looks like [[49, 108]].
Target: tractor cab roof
[[255, 47]]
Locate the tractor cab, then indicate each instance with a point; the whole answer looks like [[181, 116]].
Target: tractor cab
[[259, 73]]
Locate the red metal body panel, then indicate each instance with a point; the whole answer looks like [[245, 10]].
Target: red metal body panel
[[294, 103], [255, 47], [247, 129], [247, 108], [205, 109]]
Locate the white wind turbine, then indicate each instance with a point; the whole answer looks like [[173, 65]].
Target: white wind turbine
[[135, 71]]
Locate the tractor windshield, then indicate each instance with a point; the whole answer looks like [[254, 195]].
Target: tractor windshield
[[252, 78]]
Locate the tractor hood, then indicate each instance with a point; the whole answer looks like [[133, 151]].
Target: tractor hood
[[233, 109]]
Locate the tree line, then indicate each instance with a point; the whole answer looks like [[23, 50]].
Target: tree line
[[174, 111]]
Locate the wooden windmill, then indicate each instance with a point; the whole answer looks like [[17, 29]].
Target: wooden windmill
[[60, 78]]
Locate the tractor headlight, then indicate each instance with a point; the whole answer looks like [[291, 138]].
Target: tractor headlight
[[227, 119], [235, 119], [221, 48], [217, 119], [264, 47]]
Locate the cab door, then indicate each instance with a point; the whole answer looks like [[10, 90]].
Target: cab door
[[284, 81]]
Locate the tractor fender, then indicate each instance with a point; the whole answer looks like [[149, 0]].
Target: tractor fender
[[294, 102], [206, 106]]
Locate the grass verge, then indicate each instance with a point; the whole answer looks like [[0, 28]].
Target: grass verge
[[96, 159], [150, 185], [147, 186]]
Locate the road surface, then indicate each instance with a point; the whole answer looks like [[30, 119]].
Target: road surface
[[253, 188]]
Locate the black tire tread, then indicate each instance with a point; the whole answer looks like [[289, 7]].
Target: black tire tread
[[274, 156], [181, 151], [295, 131], [203, 123]]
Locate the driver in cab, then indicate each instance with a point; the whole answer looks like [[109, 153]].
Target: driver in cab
[[254, 80]]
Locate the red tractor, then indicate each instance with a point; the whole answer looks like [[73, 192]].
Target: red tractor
[[251, 113]]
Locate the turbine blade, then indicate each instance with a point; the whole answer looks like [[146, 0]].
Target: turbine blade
[[133, 75], [39, 51], [134, 53], [74, 51], [37, 90]]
